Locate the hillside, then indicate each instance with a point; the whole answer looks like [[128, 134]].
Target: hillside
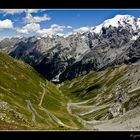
[[28, 101], [106, 100]]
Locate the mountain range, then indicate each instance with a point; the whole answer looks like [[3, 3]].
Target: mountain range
[[97, 74], [58, 58]]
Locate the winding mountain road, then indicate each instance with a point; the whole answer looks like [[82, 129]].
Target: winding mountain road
[[34, 114], [51, 116]]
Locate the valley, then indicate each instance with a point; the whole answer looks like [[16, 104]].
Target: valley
[[86, 80], [104, 100]]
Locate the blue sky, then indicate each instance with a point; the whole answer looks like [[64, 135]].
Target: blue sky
[[28, 22]]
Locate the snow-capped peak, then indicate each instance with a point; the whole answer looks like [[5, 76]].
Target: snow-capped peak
[[125, 21], [119, 20]]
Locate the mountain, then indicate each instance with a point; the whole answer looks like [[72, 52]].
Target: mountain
[[65, 57], [115, 37], [98, 70], [28, 101]]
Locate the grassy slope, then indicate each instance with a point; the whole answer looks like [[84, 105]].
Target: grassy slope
[[90, 85], [96, 91], [21, 84], [21, 90]]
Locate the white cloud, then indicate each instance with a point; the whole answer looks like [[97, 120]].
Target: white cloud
[[30, 19], [34, 10], [12, 11], [82, 29], [69, 27], [55, 29], [32, 27], [79, 30], [23, 31], [6, 24], [19, 11]]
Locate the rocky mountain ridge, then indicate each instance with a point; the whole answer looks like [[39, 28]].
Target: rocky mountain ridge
[[115, 41]]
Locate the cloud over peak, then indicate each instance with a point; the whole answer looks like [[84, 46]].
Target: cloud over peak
[[54, 29], [82, 29], [33, 19], [31, 27]]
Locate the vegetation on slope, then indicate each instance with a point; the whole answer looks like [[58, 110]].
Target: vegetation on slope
[[27, 101], [104, 95]]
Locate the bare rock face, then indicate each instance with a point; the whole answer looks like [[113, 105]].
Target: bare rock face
[[2, 116], [5, 109], [3, 105], [116, 109], [115, 41]]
